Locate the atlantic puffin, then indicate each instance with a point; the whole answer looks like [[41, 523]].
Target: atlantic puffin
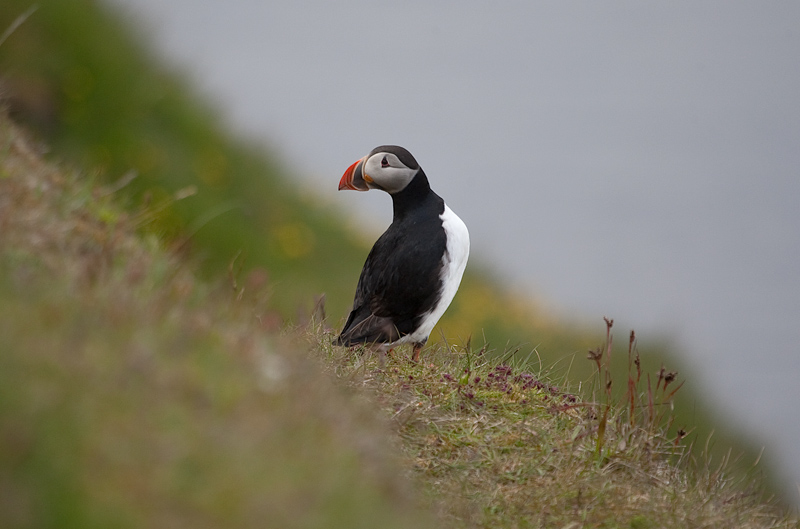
[[414, 269]]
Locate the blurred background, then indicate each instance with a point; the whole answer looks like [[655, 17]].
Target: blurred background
[[635, 161], [621, 160]]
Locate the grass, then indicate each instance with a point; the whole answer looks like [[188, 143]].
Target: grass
[[133, 393], [498, 446], [514, 450]]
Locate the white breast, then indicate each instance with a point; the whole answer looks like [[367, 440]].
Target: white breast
[[454, 263]]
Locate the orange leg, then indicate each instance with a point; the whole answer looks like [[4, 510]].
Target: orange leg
[[417, 349]]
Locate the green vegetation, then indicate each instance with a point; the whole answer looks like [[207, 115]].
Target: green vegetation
[[137, 386], [134, 395]]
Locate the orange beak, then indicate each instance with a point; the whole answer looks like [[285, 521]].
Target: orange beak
[[353, 178]]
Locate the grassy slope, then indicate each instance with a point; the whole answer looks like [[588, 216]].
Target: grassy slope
[[133, 394], [75, 75]]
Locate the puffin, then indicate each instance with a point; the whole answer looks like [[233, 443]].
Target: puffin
[[414, 269]]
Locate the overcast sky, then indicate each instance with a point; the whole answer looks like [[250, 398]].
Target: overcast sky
[[628, 159]]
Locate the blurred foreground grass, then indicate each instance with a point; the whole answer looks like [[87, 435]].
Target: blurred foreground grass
[[134, 395], [79, 77]]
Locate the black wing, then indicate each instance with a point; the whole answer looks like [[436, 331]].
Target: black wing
[[400, 282]]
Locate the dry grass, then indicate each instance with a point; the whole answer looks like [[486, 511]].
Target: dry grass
[[498, 446]]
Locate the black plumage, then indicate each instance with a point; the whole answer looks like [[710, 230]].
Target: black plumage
[[414, 269]]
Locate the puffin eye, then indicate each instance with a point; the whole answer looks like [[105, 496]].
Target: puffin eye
[[384, 162]]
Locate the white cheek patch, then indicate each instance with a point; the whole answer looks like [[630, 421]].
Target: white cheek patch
[[391, 179]]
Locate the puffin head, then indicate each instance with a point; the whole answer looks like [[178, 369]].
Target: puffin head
[[389, 168]]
